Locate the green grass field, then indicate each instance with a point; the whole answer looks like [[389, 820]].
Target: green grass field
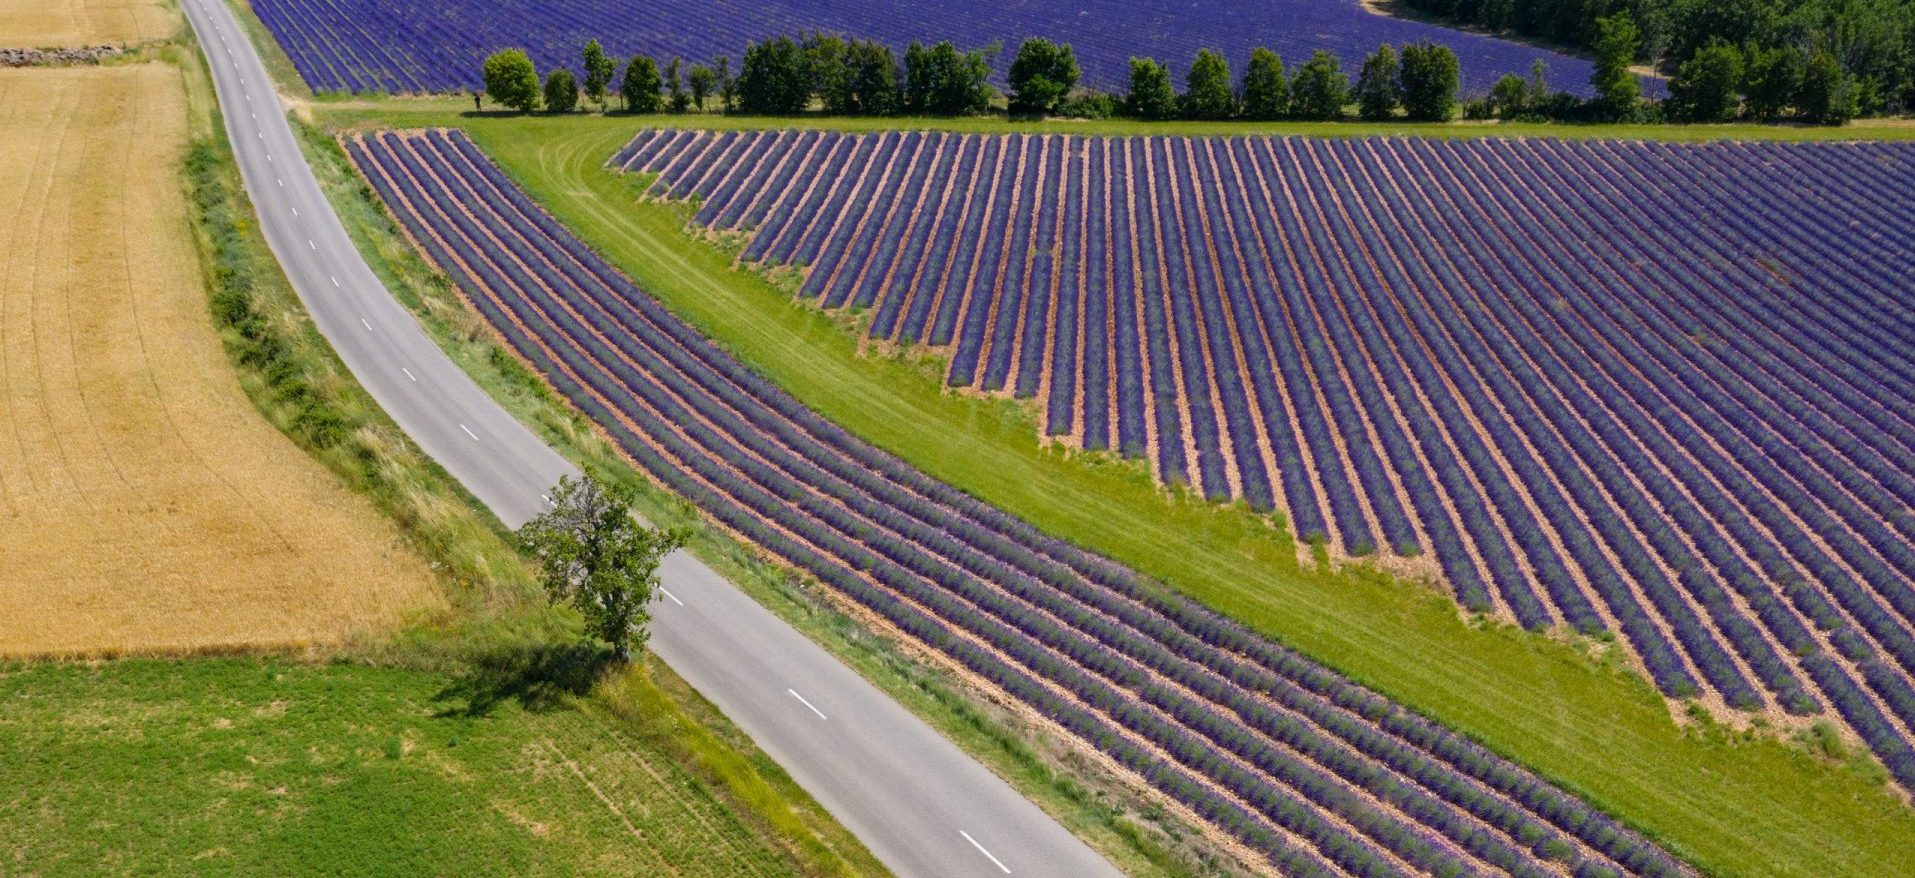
[[257, 766], [1734, 803]]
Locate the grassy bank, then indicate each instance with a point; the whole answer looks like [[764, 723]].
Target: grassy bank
[[1737, 804]]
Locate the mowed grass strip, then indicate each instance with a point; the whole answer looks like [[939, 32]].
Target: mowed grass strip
[[65, 23], [252, 766], [1735, 804], [146, 504]]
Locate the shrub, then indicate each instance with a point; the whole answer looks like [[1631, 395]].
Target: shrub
[[1379, 86], [1320, 89], [1431, 74], [561, 91], [1042, 75], [511, 80], [1266, 93], [1150, 95], [1207, 88]]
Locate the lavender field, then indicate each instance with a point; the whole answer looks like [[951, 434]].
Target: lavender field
[[1651, 389], [1305, 768], [414, 46]]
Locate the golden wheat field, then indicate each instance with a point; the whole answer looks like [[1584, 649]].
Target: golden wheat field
[[60, 23], [145, 505]]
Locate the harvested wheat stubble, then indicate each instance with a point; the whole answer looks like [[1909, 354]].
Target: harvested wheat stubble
[[146, 505], [66, 23]]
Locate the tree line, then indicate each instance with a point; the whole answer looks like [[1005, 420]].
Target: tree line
[[1419, 81], [1864, 50]]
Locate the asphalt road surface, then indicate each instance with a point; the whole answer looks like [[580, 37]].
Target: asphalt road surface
[[921, 805]]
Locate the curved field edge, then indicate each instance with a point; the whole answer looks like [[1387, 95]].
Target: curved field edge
[[299, 384], [1098, 805], [1732, 803]]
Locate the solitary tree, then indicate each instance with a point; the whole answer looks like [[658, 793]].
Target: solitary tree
[[1042, 74], [675, 95], [1266, 93], [599, 70], [1379, 87], [1207, 88], [511, 80], [593, 554], [640, 86], [561, 91], [1150, 95], [1705, 87], [1431, 75], [773, 79], [1617, 92], [703, 81], [1320, 89]]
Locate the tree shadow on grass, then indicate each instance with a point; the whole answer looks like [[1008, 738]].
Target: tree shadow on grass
[[537, 677]]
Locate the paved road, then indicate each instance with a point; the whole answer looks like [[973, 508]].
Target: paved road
[[921, 805]]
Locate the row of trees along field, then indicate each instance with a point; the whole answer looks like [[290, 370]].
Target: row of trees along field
[[1865, 47], [855, 77]]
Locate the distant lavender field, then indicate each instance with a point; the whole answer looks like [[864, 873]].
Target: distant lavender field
[[415, 46]]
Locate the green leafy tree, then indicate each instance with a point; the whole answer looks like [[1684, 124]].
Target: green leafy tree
[[676, 98], [640, 86], [727, 85], [1150, 96], [511, 80], [561, 91], [773, 79], [1320, 89], [1509, 97], [1042, 75], [828, 65], [1266, 92], [1379, 86], [873, 79], [703, 81], [599, 70], [1705, 86], [942, 81], [1827, 95], [1618, 94], [592, 553], [1538, 86], [1207, 93], [1770, 82], [1431, 76]]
